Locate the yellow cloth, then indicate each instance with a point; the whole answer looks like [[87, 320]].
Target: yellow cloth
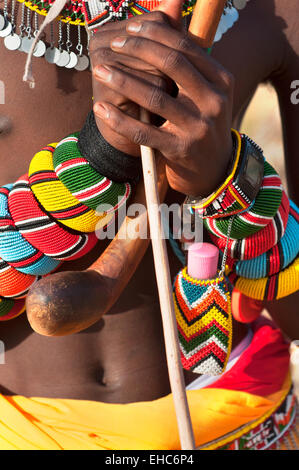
[[53, 424]]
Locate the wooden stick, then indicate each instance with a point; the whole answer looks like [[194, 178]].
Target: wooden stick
[[175, 370], [203, 26], [205, 20]]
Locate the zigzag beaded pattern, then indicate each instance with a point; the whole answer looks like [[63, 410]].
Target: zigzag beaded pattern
[[15, 249], [43, 231], [259, 242], [279, 256], [10, 309], [56, 199], [83, 181], [274, 287], [258, 216], [203, 315]]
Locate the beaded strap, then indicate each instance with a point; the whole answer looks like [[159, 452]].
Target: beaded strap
[[278, 257], [56, 199], [83, 181], [203, 314], [259, 242], [15, 249], [230, 199], [258, 216], [43, 231]]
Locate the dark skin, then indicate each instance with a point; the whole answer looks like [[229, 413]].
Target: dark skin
[[109, 361]]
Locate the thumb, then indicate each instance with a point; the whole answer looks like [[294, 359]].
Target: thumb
[[172, 8]]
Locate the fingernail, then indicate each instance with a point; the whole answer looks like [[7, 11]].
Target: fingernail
[[134, 26], [101, 111], [118, 43], [104, 73]]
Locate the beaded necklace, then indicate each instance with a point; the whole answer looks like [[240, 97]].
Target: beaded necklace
[[87, 14]]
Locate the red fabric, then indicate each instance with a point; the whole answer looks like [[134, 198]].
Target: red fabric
[[263, 367]]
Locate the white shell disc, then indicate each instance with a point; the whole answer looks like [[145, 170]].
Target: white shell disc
[[240, 4], [2, 22], [52, 55], [63, 59], [83, 63], [12, 42], [26, 44], [39, 49], [6, 30], [73, 61]]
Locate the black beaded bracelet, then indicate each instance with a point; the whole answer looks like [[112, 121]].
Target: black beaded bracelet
[[107, 160]]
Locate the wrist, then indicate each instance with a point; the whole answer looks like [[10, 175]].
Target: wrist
[[199, 184], [117, 141], [106, 159], [240, 186]]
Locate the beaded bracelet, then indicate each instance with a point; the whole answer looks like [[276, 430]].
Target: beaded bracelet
[[15, 249], [56, 199], [203, 315], [10, 309], [43, 231], [273, 287], [258, 216], [230, 198], [14, 283], [83, 181], [104, 158], [32, 239], [259, 242], [278, 257]]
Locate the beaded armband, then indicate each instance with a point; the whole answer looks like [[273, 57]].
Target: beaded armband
[[204, 321], [50, 215], [238, 192]]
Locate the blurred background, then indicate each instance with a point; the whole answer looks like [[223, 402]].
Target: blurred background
[[262, 123]]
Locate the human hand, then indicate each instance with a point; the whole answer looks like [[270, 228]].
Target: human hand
[[102, 54], [195, 138]]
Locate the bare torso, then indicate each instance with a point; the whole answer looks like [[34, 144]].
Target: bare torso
[[121, 358]]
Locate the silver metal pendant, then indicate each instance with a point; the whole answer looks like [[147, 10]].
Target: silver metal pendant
[[21, 44], [52, 55], [6, 31], [240, 4], [73, 61], [83, 63], [218, 35], [39, 49], [2, 22], [26, 44], [63, 59], [12, 42], [233, 16]]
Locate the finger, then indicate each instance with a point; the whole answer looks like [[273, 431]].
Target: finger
[[173, 9], [169, 61], [145, 94], [164, 34], [136, 131], [105, 34], [105, 55]]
